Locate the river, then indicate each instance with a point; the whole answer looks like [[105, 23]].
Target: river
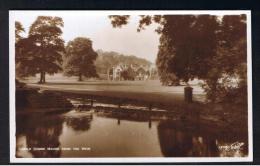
[[95, 133]]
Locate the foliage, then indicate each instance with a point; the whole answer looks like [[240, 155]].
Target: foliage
[[227, 76], [187, 41], [24, 58], [18, 49], [192, 41], [42, 49], [79, 58], [107, 60], [128, 74], [206, 47], [119, 20], [18, 30], [163, 65], [168, 79]]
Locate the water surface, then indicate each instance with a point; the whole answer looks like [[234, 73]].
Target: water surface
[[106, 134]]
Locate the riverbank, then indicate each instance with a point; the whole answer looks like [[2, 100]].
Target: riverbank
[[151, 96]]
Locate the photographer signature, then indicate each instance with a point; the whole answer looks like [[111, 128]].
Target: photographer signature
[[233, 146]]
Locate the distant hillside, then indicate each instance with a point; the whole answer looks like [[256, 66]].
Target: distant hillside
[[107, 60]]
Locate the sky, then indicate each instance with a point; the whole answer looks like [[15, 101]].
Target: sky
[[98, 28]]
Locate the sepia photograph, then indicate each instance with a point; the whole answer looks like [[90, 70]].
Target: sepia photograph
[[130, 86]]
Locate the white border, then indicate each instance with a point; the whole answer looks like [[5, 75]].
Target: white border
[[12, 125]]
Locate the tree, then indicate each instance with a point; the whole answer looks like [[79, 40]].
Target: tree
[[119, 20], [79, 58], [229, 64], [24, 58], [42, 49], [187, 41], [192, 41], [18, 30], [128, 74], [107, 60], [206, 47], [163, 65], [18, 49]]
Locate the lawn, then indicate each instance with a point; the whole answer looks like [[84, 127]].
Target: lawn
[[151, 90]]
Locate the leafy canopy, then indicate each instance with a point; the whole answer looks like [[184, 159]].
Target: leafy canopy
[[187, 41], [79, 58], [200, 46], [42, 49], [18, 30]]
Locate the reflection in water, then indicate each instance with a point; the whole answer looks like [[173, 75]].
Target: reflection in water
[[118, 121], [150, 123], [79, 124], [109, 134], [41, 132], [172, 142], [176, 140]]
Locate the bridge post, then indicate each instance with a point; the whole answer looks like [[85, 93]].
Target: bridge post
[[91, 102], [150, 107], [188, 94]]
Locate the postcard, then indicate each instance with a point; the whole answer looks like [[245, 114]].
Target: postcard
[[130, 86]]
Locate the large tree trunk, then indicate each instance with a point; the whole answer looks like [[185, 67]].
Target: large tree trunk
[[41, 78], [80, 77], [44, 77]]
